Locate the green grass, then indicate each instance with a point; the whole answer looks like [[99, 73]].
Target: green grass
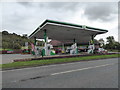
[[4, 49], [112, 50], [52, 61]]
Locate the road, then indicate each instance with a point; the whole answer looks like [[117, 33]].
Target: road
[[85, 74]]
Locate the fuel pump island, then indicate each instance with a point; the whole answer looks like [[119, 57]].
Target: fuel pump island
[[66, 32]]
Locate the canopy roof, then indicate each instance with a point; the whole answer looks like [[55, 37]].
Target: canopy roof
[[66, 32]]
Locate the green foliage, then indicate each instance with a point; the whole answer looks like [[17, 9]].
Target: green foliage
[[17, 46], [112, 44], [110, 40], [4, 45], [5, 33], [13, 41]]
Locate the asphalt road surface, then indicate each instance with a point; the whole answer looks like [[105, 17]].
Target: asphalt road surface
[[85, 74]]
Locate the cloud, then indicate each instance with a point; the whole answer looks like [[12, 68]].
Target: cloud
[[24, 3], [0, 16], [25, 17], [53, 5], [101, 11], [63, 5]]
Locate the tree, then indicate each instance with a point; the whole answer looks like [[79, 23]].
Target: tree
[[117, 45], [95, 41], [110, 40], [14, 34], [17, 46], [5, 45], [101, 41], [5, 32], [112, 44]]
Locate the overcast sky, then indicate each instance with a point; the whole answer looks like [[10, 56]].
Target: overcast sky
[[25, 17]]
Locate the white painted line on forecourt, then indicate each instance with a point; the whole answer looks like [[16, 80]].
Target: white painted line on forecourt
[[81, 69]]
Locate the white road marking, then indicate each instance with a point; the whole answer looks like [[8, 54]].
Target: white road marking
[[14, 81], [46, 66], [81, 69]]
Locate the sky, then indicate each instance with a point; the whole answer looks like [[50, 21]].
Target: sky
[[25, 17]]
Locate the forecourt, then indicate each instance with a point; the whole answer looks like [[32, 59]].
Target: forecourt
[[86, 74], [66, 33]]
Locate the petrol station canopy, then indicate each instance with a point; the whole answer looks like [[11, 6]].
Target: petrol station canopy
[[66, 32]]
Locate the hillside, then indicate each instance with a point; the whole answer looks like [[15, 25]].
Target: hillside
[[13, 41]]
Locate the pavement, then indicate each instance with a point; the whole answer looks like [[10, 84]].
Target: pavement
[[8, 58], [87, 74]]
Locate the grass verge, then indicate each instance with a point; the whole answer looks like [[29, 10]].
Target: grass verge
[[53, 61]]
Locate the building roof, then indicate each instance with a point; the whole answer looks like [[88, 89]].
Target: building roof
[[66, 32]]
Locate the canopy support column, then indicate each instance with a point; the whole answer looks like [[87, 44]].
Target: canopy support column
[[45, 39], [76, 49], [35, 40], [92, 38], [63, 48], [34, 51]]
